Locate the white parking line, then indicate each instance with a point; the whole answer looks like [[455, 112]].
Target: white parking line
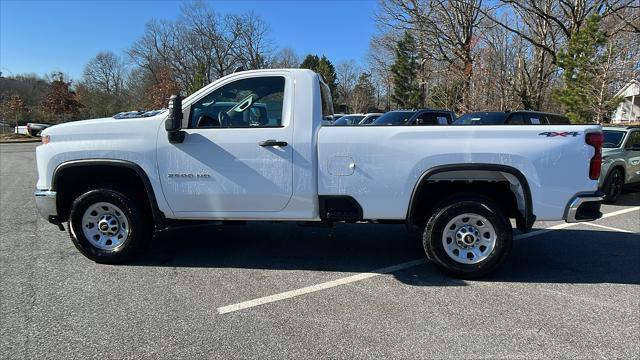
[[387, 270], [608, 228], [318, 287]]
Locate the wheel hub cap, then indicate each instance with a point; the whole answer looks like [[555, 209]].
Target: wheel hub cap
[[469, 238], [105, 226]]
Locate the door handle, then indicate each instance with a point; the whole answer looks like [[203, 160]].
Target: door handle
[[272, 142]]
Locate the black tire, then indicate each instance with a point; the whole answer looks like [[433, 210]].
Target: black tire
[[433, 238], [139, 229], [613, 185]]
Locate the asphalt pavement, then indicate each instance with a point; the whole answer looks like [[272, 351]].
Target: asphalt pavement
[[313, 292]]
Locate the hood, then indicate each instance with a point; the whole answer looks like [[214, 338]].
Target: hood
[[104, 128], [606, 151]]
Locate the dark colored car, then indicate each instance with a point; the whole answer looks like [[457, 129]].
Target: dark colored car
[[520, 117], [34, 129], [416, 117]]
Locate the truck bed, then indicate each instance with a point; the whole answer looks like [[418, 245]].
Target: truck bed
[[378, 166]]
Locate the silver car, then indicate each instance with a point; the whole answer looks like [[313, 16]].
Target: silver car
[[620, 160]]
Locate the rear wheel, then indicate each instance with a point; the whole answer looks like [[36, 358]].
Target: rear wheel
[[613, 186], [467, 237], [107, 226]]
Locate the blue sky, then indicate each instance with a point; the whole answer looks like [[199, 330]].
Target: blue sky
[[44, 36]]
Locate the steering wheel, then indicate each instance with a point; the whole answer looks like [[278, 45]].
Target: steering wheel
[[224, 118]]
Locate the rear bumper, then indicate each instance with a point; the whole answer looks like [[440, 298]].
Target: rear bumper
[[584, 207], [46, 204]]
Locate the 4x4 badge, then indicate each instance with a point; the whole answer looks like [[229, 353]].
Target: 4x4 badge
[[559, 133]]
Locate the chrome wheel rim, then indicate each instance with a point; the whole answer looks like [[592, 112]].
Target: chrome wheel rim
[[469, 238], [105, 226]]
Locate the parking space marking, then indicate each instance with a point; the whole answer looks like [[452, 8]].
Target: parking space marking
[[609, 228], [318, 287], [387, 270]]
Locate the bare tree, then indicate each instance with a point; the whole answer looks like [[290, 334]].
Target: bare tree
[[286, 58], [347, 77], [561, 19], [105, 72], [252, 44], [445, 29], [380, 59], [102, 89]]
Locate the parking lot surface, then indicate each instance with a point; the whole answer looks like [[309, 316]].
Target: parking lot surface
[[286, 291]]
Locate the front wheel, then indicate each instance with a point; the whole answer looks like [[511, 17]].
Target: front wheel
[[613, 186], [108, 226], [467, 238]]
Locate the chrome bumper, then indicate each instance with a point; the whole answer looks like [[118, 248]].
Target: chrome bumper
[[46, 204], [584, 207]]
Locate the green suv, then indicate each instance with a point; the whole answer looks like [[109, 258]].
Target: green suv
[[620, 160]]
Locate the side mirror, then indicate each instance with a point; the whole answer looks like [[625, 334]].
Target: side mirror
[[173, 124]]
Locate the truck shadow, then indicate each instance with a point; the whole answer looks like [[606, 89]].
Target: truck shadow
[[564, 256], [629, 197]]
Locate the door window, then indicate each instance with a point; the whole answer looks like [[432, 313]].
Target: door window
[[246, 103], [634, 139], [516, 119], [433, 118]]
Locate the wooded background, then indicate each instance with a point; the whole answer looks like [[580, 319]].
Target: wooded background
[[568, 56]]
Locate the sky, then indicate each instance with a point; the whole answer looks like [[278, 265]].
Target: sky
[[44, 36]]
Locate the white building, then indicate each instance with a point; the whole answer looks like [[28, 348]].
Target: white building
[[629, 109]]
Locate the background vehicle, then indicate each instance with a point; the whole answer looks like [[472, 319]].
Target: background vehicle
[[620, 160], [416, 117], [369, 118], [348, 120], [520, 117], [34, 129], [115, 181]]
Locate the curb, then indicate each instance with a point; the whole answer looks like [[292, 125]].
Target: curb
[[20, 141]]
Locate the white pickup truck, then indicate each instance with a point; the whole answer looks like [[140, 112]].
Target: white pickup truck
[[264, 155]]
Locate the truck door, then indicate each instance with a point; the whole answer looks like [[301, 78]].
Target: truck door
[[237, 153]]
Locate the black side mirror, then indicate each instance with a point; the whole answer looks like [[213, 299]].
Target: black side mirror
[[173, 124]]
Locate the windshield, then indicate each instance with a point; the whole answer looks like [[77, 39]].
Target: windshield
[[612, 138], [348, 120], [394, 118], [369, 120], [485, 118]]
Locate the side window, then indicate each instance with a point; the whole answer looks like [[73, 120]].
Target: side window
[[535, 120], [433, 118], [634, 139], [252, 102], [516, 119]]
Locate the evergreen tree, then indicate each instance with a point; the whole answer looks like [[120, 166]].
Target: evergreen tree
[[579, 63], [364, 94], [198, 79], [324, 67], [310, 62], [406, 89]]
